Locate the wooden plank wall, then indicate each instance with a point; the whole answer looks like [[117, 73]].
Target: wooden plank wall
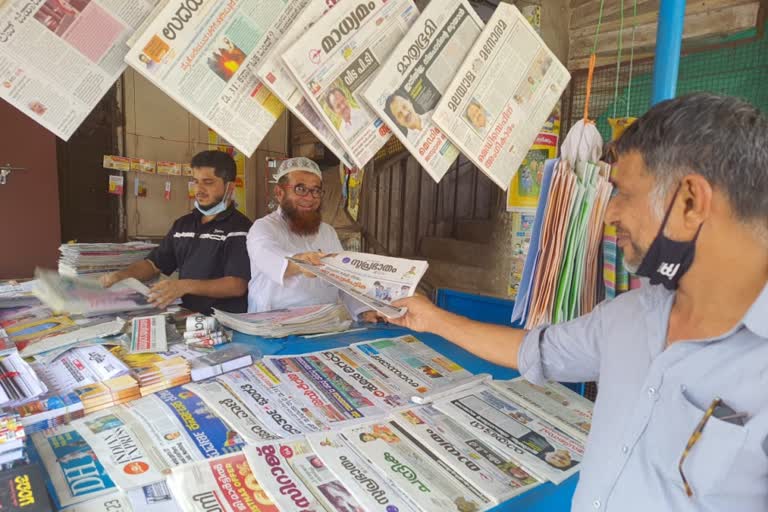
[[705, 21]]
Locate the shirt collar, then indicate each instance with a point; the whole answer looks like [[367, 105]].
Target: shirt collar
[[756, 319]]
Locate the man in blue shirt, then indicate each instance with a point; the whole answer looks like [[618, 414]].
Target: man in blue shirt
[[691, 211]]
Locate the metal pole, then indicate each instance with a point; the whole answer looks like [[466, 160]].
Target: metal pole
[[669, 37]]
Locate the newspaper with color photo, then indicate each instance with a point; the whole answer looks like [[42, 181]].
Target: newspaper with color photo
[[57, 59], [541, 448], [501, 95], [279, 80], [337, 57], [203, 55], [417, 73], [374, 280]]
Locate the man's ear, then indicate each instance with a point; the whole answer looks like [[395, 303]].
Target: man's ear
[[697, 193]]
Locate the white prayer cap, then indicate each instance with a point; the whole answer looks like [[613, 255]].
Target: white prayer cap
[[297, 164]]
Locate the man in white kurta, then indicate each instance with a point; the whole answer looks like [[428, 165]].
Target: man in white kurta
[[295, 229]]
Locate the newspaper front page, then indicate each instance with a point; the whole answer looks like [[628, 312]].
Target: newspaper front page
[[225, 483], [374, 280], [417, 73], [279, 80], [58, 59], [335, 59], [495, 474], [203, 54], [375, 492], [501, 95], [431, 483], [541, 448]]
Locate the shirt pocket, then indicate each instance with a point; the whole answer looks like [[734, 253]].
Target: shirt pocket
[[712, 456]]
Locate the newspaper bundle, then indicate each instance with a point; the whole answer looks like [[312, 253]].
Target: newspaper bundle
[[542, 449], [224, 483], [319, 318], [335, 59], [555, 403], [501, 95], [374, 280], [413, 467], [417, 73], [93, 260], [57, 59], [372, 490], [279, 80], [203, 54]]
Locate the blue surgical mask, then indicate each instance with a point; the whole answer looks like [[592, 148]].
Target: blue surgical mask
[[218, 208]]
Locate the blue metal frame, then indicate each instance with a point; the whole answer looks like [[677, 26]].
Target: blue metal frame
[[669, 39]]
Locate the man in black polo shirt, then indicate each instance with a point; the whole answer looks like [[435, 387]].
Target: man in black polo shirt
[[206, 246]]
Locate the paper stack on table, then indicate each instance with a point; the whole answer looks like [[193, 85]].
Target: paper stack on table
[[316, 319], [97, 259]]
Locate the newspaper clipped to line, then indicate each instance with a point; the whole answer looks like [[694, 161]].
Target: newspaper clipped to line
[[335, 59], [279, 80], [203, 55], [502, 95], [374, 280], [57, 59], [417, 73]]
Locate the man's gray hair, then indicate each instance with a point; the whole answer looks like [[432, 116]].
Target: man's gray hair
[[722, 138]]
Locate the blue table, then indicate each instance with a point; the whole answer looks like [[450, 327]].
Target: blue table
[[544, 498]]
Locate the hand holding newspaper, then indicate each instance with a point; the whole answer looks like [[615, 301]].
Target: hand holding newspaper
[[374, 280]]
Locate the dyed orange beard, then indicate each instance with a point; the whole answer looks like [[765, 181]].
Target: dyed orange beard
[[301, 223]]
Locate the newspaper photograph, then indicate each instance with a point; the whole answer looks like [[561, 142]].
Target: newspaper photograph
[[203, 54], [373, 491], [501, 95], [416, 368], [337, 57], [224, 483], [498, 476], [542, 449], [59, 57], [279, 80], [431, 483], [555, 403], [270, 463], [419, 70], [220, 399], [374, 280], [323, 389], [156, 497], [275, 410]]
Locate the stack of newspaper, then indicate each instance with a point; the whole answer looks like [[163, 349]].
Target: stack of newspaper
[[321, 318], [98, 259], [15, 295], [19, 383], [12, 437], [155, 371]]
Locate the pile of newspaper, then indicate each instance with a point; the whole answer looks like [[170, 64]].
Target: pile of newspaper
[[97, 259], [321, 318], [15, 295], [12, 436]]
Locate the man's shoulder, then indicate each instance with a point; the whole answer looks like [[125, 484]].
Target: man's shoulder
[[270, 223], [328, 231], [635, 302], [184, 222], [239, 221]]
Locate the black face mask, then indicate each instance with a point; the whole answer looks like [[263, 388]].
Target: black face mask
[[667, 261]]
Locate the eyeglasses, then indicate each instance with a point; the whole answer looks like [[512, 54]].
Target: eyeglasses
[[724, 413], [301, 190]]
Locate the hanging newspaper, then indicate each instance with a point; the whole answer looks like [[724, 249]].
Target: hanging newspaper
[[374, 280], [203, 54], [57, 59], [334, 60], [555, 403], [279, 80], [413, 467], [374, 492], [501, 95], [224, 483], [417, 73], [541, 448]]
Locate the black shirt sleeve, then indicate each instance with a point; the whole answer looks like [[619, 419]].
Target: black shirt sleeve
[[236, 261], [164, 256]]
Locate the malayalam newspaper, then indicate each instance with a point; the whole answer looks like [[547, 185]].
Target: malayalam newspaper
[[374, 280], [501, 95], [203, 54], [58, 59], [417, 73], [336, 57], [279, 80]]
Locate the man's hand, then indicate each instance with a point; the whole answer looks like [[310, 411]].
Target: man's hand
[[313, 258], [422, 315], [107, 280], [370, 317], [167, 291]]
